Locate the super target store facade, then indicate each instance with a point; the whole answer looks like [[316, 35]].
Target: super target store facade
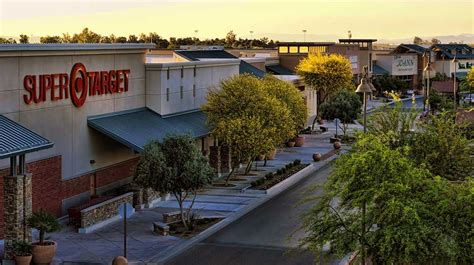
[[93, 107]]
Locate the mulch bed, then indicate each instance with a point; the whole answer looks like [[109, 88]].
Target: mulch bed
[[223, 185], [178, 229], [279, 178]]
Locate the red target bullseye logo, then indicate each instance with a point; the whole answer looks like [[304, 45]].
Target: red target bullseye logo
[[78, 84]]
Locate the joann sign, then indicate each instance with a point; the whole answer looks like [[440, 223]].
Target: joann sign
[[77, 85], [404, 65]]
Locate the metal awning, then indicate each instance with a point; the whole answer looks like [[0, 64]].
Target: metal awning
[[279, 70], [17, 140], [135, 128]]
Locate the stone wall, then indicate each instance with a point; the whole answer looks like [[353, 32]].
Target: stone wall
[[104, 211]]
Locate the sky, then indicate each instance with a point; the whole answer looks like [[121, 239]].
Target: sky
[[276, 19]]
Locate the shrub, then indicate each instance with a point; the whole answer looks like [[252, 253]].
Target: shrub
[[289, 165], [22, 248], [279, 172], [269, 176], [283, 170], [253, 183], [44, 222], [297, 162]]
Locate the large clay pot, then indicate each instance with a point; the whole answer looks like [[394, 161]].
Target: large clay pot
[[290, 143], [299, 141], [337, 145], [23, 260], [271, 154], [316, 157], [43, 254]]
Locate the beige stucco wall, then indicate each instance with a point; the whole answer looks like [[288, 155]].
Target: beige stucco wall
[[60, 121], [209, 74]]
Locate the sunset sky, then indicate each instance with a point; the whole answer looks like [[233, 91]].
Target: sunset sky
[[382, 19]]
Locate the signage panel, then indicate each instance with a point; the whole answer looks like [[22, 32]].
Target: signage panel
[[77, 85]]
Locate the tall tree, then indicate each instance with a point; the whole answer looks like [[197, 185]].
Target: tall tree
[[345, 106], [418, 40], [24, 38], [86, 36], [175, 166], [50, 39], [246, 117], [379, 203], [230, 39], [327, 74]]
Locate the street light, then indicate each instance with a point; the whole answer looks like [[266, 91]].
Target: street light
[[427, 72], [304, 34], [251, 38], [364, 88], [455, 62]]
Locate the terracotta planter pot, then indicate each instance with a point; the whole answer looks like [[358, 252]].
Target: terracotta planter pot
[[271, 154], [337, 145], [299, 141], [43, 254], [23, 260], [290, 143], [316, 157]]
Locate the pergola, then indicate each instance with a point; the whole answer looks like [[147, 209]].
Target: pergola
[[15, 142]]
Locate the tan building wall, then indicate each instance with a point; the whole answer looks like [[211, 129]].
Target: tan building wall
[[60, 121]]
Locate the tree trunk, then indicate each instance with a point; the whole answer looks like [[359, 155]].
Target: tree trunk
[[265, 161], [188, 212], [41, 237], [180, 200], [249, 166], [229, 176]]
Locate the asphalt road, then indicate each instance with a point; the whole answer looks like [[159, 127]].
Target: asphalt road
[[266, 235]]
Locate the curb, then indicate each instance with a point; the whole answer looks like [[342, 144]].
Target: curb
[[312, 168]]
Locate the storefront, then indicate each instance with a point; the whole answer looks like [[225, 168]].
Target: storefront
[[403, 67], [81, 98]]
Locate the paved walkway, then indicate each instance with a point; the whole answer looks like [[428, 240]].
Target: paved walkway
[[102, 245]]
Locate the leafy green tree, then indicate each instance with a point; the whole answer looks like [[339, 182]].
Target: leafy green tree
[[291, 97], [346, 105], [230, 39], [174, 166], [24, 38], [50, 39], [381, 204], [243, 106], [440, 144], [393, 125], [86, 36], [327, 74], [132, 39]]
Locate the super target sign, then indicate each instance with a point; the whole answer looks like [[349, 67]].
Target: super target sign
[[77, 85]]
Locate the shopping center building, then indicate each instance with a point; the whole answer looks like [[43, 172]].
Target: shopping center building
[[92, 108]]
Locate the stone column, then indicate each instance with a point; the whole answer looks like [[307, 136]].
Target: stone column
[[17, 203], [225, 159], [215, 159]]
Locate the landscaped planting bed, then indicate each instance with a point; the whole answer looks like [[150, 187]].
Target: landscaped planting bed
[[199, 225], [271, 179]]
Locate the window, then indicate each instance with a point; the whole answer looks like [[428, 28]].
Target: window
[[304, 49], [167, 94], [317, 49], [194, 90], [293, 49], [181, 92], [168, 73], [283, 49]]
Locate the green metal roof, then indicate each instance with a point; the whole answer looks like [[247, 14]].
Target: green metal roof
[[135, 128], [244, 67], [377, 70], [279, 70], [18, 140]]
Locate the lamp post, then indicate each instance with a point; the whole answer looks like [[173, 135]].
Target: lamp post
[[251, 38], [428, 71], [364, 88], [455, 62], [195, 36], [304, 34]]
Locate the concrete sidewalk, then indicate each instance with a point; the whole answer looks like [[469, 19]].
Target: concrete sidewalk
[[102, 245]]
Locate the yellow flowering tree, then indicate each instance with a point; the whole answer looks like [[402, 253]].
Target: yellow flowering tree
[[248, 118], [327, 74], [291, 97]]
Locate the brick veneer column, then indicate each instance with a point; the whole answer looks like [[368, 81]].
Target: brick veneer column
[[225, 159], [17, 203], [214, 158]]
